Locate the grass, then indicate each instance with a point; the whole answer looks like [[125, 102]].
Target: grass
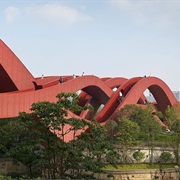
[[138, 166]]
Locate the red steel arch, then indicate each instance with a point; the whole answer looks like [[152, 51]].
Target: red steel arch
[[157, 87], [13, 74]]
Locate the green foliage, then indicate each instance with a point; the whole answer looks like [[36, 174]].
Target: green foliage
[[112, 128], [138, 166], [138, 155], [11, 132], [128, 112], [175, 140], [160, 115], [174, 125], [164, 139], [126, 137], [170, 116], [5, 177], [143, 117], [165, 157], [13, 176], [149, 127], [40, 140], [97, 147], [128, 132]]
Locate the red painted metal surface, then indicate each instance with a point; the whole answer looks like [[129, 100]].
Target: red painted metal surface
[[13, 74], [19, 89]]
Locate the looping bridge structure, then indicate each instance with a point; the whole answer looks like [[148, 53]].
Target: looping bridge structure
[[20, 89]]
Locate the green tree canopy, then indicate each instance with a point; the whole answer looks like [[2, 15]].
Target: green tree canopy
[[170, 116], [56, 144], [127, 136], [175, 139], [111, 127], [144, 118]]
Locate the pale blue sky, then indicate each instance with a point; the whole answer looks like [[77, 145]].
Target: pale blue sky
[[106, 38]]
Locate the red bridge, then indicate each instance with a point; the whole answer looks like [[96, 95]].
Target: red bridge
[[19, 89]]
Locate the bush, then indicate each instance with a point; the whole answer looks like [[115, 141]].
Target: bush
[[138, 155], [165, 157]]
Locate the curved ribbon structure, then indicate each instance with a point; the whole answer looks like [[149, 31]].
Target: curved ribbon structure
[[19, 89]]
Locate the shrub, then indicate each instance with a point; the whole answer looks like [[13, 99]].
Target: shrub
[[165, 157], [138, 155]]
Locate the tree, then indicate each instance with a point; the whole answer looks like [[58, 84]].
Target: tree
[[176, 107], [175, 137], [8, 128], [14, 136], [111, 127], [127, 136], [97, 148], [149, 127], [170, 116], [59, 145]]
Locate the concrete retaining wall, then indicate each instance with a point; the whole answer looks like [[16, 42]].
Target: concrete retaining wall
[[8, 165], [150, 174]]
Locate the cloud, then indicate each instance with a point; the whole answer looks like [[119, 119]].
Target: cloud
[[11, 13], [54, 12], [58, 13], [161, 12]]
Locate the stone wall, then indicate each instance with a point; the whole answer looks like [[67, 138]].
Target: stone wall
[[156, 154], [150, 174], [8, 165]]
